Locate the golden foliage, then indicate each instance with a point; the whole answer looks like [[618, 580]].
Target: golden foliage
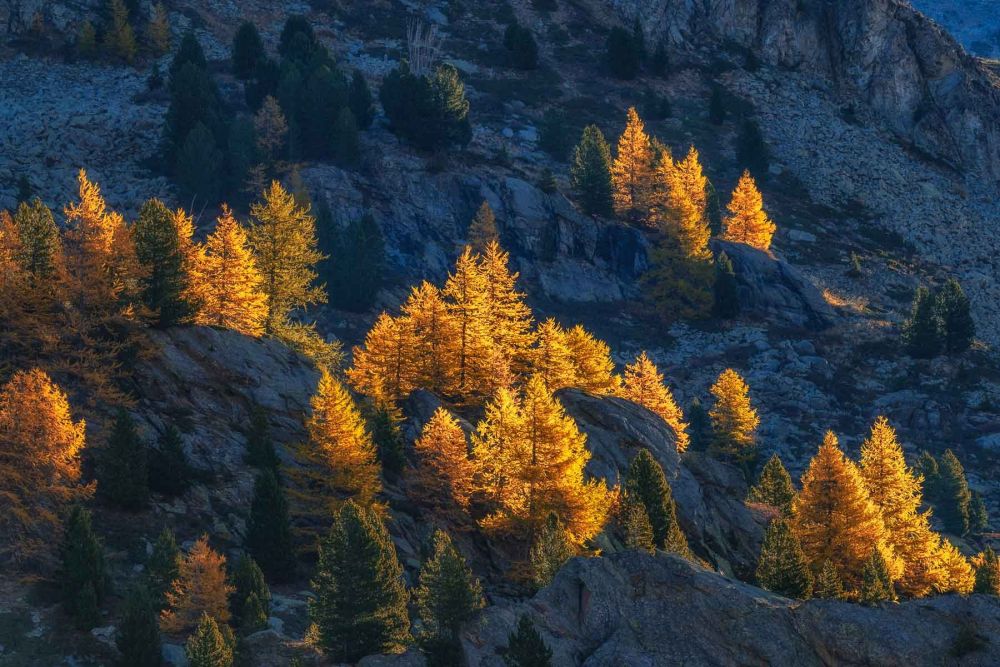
[[644, 385], [553, 361], [509, 317], [631, 171], [444, 472], [40, 448], [383, 367], [228, 283], [431, 327], [734, 420], [477, 356], [593, 369], [495, 444], [747, 222], [483, 228], [200, 588]]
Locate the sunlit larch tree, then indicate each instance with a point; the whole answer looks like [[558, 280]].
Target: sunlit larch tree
[[383, 367], [229, 281], [547, 474], [483, 228], [40, 448], [432, 351], [594, 371], [466, 294], [200, 588], [553, 359], [747, 221], [834, 517], [509, 317], [631, 171], [644, 384], [497, 444], [444, 473], [734, 419], [338, 461], [283, 237]]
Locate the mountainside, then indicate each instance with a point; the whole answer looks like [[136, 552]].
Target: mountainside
[[974, 23]]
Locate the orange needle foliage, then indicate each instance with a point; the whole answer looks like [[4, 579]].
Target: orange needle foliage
[[747, 222], [644, 385], [200, 588]]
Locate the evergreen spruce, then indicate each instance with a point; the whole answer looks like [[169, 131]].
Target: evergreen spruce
[[987, 572], [163, 566], [590, 172], [252, 598], [828, 583], [953, 310], [158, 248], [123, 479], [876, 584], [383, 422], [922, 332], [521, 47], [248, 51], [357, 265], [526, 648], [635, 526], [699, 426], [659, 64], [782, 567], [24, 190], [624, 54], [359, 606], [774, 486], [979, 518], [953, 504], [169, 470], [446, 597], [726, 299], [751, 151], [138, 637], [359, 99], [260, 447], [717, 106], [646, 482], [549, 551], [269, 533], [198, 164], [927, 466], [346, 149], [209, 646], [82, 578]]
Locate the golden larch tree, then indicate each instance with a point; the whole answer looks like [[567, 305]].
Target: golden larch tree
[[444, 473], [510, 318], [631, 171], [283, 238], [229, 283], [553, 359], [547, 474], [201, 587], [483, 228], [433, 354], [958, 574], [40, 447], [466, 295], [834, 517], [747, 221], [644, 384], [594, 371], [337, 463], [497, 444], [734, 419], [383, 367]]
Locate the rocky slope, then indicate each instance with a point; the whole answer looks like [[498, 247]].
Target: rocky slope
[[973, 22], [638, 609]]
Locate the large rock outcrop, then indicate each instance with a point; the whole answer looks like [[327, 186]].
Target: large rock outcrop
[[638, 609]]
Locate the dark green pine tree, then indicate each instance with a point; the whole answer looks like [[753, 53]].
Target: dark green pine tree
[[198, 165], [359, 99], [82, 577], [157, 246], [252, 598], [269, 533], [169, 470], [876, 585], [210, 645], [636, 529], [241, 153], [987, 573], [590, 172], [922, 337], [550, 550], [24, 190], [451, 108], [189, 52], [659, 64], [717, 106], [346, 147], [194, 99], [927, 466], [123, 479], [521, 47], [39, 239], [138, 637], [260, 447], [953, 506], [979, 518], [526, 648], [624, 54], [357, 265], [163, 566], [359, 606], [446, 597], [726, 298], [699, 426], [383, 424], [782, 567], [248, 51], [751, 151], [956, 318], [828, 584], [647, 483], [774, 487]]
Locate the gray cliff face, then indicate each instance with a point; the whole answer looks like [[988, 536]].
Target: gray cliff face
[[910, 72], [650, 610]]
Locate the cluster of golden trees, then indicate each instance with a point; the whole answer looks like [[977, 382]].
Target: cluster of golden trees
[[846, 511]]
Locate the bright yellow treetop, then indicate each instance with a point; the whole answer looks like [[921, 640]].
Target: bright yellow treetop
[[631, 171], [594, 371], [497, 444], [553, 362], [644, 385], [444, 471], [747, 221], [383, 367], [734, 419], [434, 336], [466, 294], [680, 205], [229, 287], [201, 588], [834, 517], [510, 318]]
